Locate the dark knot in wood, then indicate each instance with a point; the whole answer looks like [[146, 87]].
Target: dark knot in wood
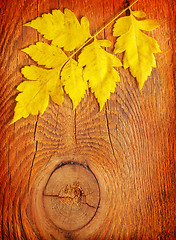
[[71, 196]]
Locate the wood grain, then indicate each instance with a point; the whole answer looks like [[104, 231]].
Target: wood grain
[[129, 146]]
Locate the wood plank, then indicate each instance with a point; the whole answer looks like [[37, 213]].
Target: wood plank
[[128, 147]]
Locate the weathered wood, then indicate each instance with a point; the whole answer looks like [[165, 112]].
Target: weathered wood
[[122, 182]]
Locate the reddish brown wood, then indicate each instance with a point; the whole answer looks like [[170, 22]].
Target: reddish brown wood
[[128, 146]]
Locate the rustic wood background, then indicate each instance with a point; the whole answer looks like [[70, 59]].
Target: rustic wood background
[[128, 147]]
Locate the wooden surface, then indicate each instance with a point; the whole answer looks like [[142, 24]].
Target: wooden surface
[[108, 174]]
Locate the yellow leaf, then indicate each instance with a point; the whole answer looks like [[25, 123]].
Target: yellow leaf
[[54, 87], [48, 24], [75, 33], [146, 25], [122, 26], [44, 54], [99, 70], [138, 47], [62, 28], [72, 79], [139, 14], [34, 96]]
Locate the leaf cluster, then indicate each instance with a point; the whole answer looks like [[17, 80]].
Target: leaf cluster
[[76, 61]]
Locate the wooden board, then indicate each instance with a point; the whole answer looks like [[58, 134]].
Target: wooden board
[[86, 174]]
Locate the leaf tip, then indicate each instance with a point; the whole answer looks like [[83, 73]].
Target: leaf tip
[[101, 106], [74, 107], [159, 50], [11, 123], [24, 50], [28, 24], [15, 119], [141, 84]]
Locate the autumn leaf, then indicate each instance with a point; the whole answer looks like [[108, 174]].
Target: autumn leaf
[[34, 93], [99, 69], [72, 79], [63, 29], [138, 47], [47, 55]]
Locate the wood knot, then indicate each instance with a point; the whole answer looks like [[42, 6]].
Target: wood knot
[[71, 196]]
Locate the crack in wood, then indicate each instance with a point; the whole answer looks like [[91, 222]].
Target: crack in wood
[[21, 222], [67, 197], [36, 145], [109, 135], [32, 164], [70, 198], [75, 127], [74, 193], [127, 4], [35, 128]]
